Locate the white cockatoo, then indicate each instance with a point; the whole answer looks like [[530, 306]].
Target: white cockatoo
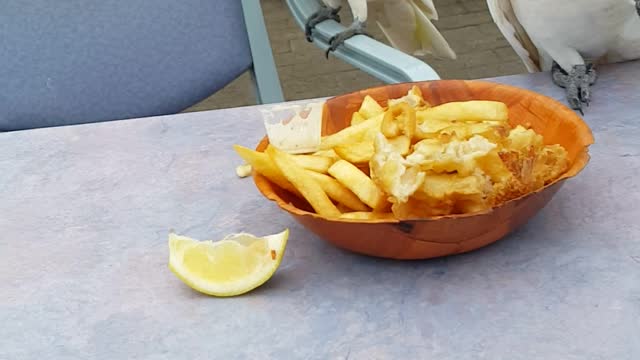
[[570, 37], [410, 29]]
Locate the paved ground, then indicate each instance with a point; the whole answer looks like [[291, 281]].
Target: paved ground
[[304, 72]]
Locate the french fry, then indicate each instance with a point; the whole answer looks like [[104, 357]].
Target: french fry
[[357, 153], [263, 164], [338, 192], [313, 162], [327, 153], [475, 110], [359, 183], [357, 118], [366, 215], [351, 134], [370, 108], [306, 185]]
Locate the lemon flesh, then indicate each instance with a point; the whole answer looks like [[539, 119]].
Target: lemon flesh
[[232, 266]]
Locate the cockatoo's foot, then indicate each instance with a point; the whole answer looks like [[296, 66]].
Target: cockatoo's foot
[[638, 7], [325, 13], [577, 83], [356, 28]]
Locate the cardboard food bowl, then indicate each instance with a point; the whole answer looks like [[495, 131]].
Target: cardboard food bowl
[[451, 234]]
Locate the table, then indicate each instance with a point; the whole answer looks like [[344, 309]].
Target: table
[[85, 211]]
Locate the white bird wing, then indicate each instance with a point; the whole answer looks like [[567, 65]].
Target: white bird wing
[[507, 21], [627, 44], [334, 4], [402, 26], [359, 9], [428, 8], [410, 30]]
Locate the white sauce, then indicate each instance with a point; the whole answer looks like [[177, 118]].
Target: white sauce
[[294, 128]]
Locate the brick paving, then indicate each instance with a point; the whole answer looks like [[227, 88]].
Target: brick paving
[[466, 24]]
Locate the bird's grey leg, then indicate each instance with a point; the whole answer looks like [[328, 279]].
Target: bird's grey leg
[[588, 79], [577, 83], [356, 28], [325, 13], [638, 6]]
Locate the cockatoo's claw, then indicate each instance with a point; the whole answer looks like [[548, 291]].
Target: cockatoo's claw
[[325, 13], [638, 7], [577, 84], [559, 76], [356, 28]]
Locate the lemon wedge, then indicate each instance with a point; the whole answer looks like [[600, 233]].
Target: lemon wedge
[[232, 266]]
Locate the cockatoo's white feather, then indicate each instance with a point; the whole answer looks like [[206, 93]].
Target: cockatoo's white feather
[[428, 8], [627, 44], [432, 42], [569, 31], [401, 30], [359, 9], [410, 28], [334, 4], [506, 20]]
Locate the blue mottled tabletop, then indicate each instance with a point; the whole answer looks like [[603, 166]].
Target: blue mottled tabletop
[[85, 211]]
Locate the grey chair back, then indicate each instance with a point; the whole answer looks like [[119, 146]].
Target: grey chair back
[[71, 62]]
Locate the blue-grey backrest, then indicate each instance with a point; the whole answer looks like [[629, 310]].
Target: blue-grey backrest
[[72, 61]]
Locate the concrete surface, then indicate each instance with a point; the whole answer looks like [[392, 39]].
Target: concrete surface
[[466, 24]]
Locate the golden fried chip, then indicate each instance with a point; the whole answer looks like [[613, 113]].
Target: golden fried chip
[[351, 134], [327, 153], [358, 182], [263, 164], [357, 118], [338, 192], [355, 153], [370, 108], [362, 215], [306, 185], [475, 110], [361, 152], [313, 162]]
